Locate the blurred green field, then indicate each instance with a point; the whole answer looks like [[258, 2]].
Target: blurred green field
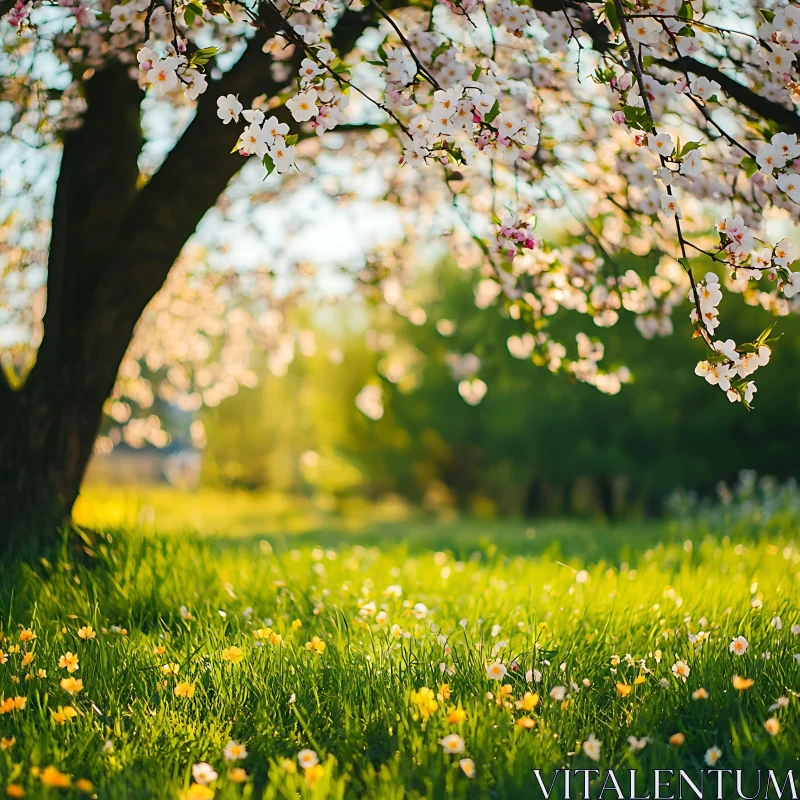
[[411, 658], [239, 518]]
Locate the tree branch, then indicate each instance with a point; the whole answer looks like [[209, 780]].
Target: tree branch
[[762, 106], [188, 183]]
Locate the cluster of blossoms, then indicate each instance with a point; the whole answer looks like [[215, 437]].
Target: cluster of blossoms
[[165, 73], [730, 368], [706, 297], [264, 137], [19, 12], [781, 34], [515, 234], [465, 120], [322, 98], [736, 246], [447, 93]]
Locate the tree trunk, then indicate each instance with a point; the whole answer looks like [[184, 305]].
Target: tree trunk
[[533, 503], [605, 495], [52, 425]]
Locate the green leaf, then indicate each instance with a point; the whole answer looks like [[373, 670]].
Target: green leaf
[[749, 166], [688, 147], [382, 54], [763, 337], [204, 55], [768, 15], [269, 164], [477, 73], [292, 139], [602, 75], [611, 16], [491, 116], [637, 118], [440, 50], [189, 17]]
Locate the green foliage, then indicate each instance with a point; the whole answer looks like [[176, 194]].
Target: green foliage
[[537, 443]]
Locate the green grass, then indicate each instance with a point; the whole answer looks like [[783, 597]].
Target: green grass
[[647, 589]]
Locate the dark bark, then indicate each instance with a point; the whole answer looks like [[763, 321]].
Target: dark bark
[[605, 496], [48, 426], [653, 505], [533, 504], [112, 247], [567, 490], [758, 104]]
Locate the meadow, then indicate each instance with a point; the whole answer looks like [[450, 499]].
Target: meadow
[[396, 657]]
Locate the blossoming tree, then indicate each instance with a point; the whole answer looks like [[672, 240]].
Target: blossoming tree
[[659, 127]]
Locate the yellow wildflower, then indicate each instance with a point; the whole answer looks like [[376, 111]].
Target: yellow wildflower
[[456, 715], [69, 662], [71, 685], [62, 714], [184, 689], [53, 778], [26, 635], [7, 744], [199, 792], [87, 632], [237, 775], [313, 774], [15, 790], [528, 702], [316, 645], [233, 654], [772, 726], [425, 701], [742, 684]]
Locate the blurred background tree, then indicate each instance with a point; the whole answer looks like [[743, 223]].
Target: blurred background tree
[[534, 445]]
